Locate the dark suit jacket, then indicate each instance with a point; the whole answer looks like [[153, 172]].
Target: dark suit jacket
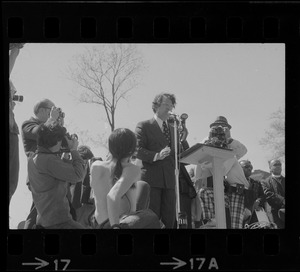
[[274, 191], [151, 140]]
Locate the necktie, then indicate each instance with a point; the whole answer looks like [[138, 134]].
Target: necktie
[[166, 132]]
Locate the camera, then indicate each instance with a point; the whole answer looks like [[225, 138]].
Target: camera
[[61, 113], [218, 132], [217, 137], [64, 143], [18, 98]]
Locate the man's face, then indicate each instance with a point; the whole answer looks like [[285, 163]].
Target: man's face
[[163, 111], [227, 131], [247, 168], [45, 112], [275, 167]]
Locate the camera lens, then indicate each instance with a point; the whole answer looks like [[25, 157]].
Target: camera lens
[[18, 98]]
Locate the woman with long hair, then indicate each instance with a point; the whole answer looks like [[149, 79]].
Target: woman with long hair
[[121, 198]]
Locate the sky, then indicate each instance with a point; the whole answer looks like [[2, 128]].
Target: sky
[[243, 82]]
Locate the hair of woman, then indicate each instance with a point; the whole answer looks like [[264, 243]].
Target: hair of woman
[[121, 144]]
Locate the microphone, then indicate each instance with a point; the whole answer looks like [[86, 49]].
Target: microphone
[[184, 116], [173, 114], [173, 117], [18, 98]]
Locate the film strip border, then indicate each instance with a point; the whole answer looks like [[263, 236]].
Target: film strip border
[[161, 23], [144, 22], [146, 250]]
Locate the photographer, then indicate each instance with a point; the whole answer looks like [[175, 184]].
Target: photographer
[[235, 180], [49, 177], [45, 112]]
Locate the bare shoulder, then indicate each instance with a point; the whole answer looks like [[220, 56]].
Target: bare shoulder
[[99, 167], [131, 170]]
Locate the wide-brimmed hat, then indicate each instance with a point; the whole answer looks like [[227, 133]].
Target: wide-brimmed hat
[[220, 121]]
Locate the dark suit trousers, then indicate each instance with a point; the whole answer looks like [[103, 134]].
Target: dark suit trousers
[[163, 203]]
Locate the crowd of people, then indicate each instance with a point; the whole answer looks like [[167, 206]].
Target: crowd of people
[[135, 186], [249, 202]]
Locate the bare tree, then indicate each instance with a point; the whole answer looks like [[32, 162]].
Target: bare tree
[[106, 73], [275, 137]]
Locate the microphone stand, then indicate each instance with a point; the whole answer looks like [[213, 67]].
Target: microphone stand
[[180, 216]]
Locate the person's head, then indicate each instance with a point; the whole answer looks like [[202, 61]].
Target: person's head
[[247, 167], [192, 172], [275, 166], [163, 104], [42, 109], [50, 136], [121, 144], [85, 152], [220, 121]]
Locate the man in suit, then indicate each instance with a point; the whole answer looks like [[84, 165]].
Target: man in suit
[[155, 140], [274, 189]]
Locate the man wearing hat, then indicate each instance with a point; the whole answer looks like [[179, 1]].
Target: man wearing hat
[[274, 189], [235, 180], [220, 121]]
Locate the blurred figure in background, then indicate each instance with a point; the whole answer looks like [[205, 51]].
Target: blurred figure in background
[[80, 193], [274, 189], [14, 49], [196, 205], [254, 197]]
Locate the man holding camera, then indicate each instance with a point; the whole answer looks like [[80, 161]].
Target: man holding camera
[[235, 181], [45, 112], [49, 176]]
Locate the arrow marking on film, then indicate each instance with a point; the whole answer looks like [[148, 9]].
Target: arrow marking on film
[[177, 264], [41, 264]]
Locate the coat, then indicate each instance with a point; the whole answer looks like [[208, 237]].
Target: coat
[[151, 140], [275, 195]]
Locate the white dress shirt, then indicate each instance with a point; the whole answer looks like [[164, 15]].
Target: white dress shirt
[[160, 123]]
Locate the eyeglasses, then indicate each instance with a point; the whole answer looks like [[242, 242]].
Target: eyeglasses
[[277, 164], [248, 166]]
